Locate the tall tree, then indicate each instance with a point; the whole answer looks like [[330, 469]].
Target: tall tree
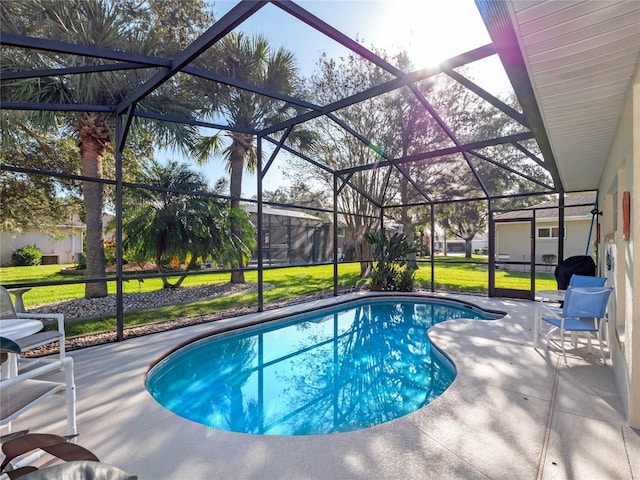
[[413, 130], [177, 23], [85, 22], [474, 177], [464, 220], [340, 149], [249, 59], [28, 200], [299, 194]]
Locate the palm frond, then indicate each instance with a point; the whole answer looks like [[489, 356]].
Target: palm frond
[[208, 146]]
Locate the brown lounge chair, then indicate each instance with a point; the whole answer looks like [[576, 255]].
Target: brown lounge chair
[[80, 463]]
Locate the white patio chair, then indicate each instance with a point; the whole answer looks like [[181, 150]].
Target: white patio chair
[[20, 393], [44, 337]]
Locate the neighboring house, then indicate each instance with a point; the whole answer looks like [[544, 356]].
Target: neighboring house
[[480, 242], [513, 231], [453, 245], [64, 248], [292, 236]]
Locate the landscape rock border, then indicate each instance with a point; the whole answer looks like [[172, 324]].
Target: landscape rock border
[[152, 300]]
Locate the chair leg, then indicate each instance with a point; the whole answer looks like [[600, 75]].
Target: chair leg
[[562, 335], [548, 336], [70, 396], [63, 353], [604, 360]]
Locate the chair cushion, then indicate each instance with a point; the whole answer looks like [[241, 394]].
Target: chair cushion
[[16, 397], [80, 470], [38, 339], [53, 444], [571, 324]]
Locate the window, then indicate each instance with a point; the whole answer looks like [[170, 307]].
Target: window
[[548, 232]]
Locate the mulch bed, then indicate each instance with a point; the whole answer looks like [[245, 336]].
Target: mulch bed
[[83, 341]]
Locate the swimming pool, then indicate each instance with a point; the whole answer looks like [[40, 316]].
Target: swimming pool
[[334, 370]]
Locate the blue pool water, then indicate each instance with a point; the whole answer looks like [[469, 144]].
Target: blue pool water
[[336, 370]]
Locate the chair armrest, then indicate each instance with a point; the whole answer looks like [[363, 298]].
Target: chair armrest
[[59, 317], [49, 367]]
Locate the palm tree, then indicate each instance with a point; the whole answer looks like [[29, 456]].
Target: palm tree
[[170, 220], [252, 60], [85, 22]]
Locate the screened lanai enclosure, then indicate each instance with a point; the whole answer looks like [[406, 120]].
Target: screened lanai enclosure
[[257, 135]]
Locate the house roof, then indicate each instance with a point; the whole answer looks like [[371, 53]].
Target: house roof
[[580, 58], [583, 204], [281, 212]]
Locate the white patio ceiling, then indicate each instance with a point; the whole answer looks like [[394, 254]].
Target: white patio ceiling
[[580, 57]]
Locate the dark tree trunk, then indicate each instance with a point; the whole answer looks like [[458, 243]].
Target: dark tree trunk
[[467, 247], [239, 151], [94, 138]]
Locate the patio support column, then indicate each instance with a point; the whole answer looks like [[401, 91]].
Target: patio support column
[[492, 252], [122, 131], [433, 245], [560, 226], [335, 235], [270, 237], [260, 232], [533, 254]]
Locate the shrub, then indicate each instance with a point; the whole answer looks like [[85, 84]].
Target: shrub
[[406, 279], [109, 251], [81, 261], [27, 256], [390, 269]]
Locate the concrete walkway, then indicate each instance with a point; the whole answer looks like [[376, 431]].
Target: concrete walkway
[[513, 412]]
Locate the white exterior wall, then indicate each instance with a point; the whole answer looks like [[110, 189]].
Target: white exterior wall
[[575, 241], [513, 239], [622, 173], [66, 247]]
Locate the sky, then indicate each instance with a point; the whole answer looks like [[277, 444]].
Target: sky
[[429, 30]]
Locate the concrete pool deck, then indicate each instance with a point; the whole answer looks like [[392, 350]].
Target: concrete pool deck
[[513, 412]]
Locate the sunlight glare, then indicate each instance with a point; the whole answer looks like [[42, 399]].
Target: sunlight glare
[[430, 31]]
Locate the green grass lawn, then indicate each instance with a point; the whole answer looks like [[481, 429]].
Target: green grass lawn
[[451, 273], [296, 280], [460, 274]]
